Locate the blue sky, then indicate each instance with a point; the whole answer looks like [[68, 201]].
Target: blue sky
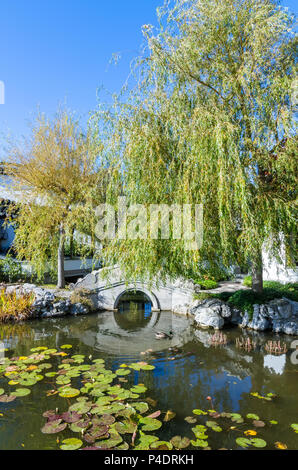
[[52, 50]]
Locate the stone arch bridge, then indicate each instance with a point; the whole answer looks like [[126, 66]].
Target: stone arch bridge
[[108, 286]]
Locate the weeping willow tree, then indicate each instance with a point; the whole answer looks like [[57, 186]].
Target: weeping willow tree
[[211, 121], [58, 180]]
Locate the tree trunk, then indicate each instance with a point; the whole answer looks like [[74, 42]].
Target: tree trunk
[[257, 274], [71, 244], [61, 275]]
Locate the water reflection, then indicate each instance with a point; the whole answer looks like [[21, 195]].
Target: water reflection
[[188, 369]]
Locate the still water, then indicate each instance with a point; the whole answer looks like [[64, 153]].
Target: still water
[[188, 369]]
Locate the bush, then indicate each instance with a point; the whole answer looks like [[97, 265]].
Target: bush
[[247, 281], [206, 284], [82, 296], [202, 296], [245, 299], [15, 307], [10, 270]]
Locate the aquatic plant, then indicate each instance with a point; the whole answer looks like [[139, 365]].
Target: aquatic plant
[[245, 343], [218, 339], [15, 307], [275, 347], [97, 412]]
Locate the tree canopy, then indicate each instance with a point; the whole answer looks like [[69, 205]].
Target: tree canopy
[[60, 179], [211, 121]]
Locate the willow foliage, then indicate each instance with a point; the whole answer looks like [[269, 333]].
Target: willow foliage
[[210, 121], [58, 180]]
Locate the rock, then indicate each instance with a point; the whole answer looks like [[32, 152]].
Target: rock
[[208, 317], [78, 309], [290, 328]]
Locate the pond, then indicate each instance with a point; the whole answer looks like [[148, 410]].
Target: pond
[[190, 374]]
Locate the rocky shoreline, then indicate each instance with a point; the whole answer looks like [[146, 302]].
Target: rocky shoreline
[[279, 315]]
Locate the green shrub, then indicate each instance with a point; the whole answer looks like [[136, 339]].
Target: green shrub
[[15, 307], [245, 299], [202, 296], [247, 281], [10, 270], [82, 296], [206, 284]]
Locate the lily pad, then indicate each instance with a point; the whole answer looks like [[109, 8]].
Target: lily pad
[[53, 427], [180, 442], [71, 444], [22, 392], [150, 424], [161, 445]]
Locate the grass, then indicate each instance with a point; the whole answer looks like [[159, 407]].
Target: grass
[[15, 307], [82, 296]]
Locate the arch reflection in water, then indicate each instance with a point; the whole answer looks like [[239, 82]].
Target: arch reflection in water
[[134, 311]]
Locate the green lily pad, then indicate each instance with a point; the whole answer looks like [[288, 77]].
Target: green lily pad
[[66, 346], [295, 427], [180, 442], [150, 424], [69, 392], [252, 416], [199, 443], [123, 371], [71, 444], [161, 445], [260, 443], [243, 442], [199, 412], [22, 392]]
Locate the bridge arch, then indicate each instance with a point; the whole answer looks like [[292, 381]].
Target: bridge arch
[[125, 289]]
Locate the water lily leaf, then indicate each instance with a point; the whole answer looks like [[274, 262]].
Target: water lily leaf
[[142, 407], [273, 421], [80, 425], [295, 427], [51, 374], [53, 427], [199, 412], [113, 441], [105, 419], [169, 415], [258, 442], [145, 441], [236, 418], [71, 444], [1, 391], [180, 442], [150, 424], [7, 398], [123, 371], [138, 389], [22, 392], [66, 346], [123, 446], [252, 416], [258, 424], [125, 427], [199, 443], [71, 416], [69, 392], [243, 442], [161, 445], [214, 426], [156, 414], [190, 419]]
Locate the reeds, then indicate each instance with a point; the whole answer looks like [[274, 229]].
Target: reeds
[[245, 343], [275, 347], [15, 307], [218, 339]]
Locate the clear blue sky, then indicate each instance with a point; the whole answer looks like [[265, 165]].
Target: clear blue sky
[[52, 50]]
